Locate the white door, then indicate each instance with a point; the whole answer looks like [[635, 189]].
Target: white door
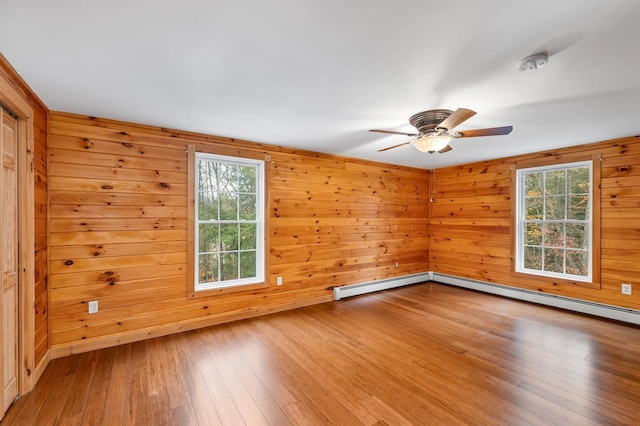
[[9, 258]]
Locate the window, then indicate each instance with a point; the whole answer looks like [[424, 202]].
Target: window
[[554, 215], [228, 222]]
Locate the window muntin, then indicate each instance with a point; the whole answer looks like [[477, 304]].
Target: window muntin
[[229, 221], [554, 221]]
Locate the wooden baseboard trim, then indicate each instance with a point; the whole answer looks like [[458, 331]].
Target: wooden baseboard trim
[[37, 372], [58, 351]]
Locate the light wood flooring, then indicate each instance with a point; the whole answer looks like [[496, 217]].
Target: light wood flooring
[[427, 354]]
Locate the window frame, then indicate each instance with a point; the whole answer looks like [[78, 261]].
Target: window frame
[[234, 156], [558, 163]]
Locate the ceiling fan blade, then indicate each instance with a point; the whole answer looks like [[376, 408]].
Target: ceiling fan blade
[[493, 131], [395, 146], [391, 132], [445, 149], [458, 116]]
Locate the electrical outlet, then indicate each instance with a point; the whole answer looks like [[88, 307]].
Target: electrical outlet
[[279, 281], [93, 307], [626, 289], [397, 264]]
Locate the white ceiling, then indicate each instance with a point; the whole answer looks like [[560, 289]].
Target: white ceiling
[[317, 74]]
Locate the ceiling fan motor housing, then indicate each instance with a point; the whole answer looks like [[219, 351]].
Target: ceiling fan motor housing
[[428, 121]]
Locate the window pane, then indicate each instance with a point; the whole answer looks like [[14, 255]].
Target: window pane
[[229, 237], [247, 264], [228, 206], [207, 268], [554, 207], [533, 184], [247, 207], [228, 178], [229, 266], [577, 236], [247, 179], [553, 235], [533, 234], [248, 236], [578, 262], [208, 238], [578, 208], [206, 175], [553, 260], [555, 182], [533, 208], [533, 258], [578, 180], [207, 206]]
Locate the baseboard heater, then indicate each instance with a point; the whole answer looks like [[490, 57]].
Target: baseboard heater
[[592, 308], [370, 287], [617, 313]]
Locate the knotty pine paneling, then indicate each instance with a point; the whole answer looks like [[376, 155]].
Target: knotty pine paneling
[[471, 218], [40, 126], [118, 230]]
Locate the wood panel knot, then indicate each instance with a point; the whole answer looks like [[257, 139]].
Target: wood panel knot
[[68, 262], [107, 187], [624, 169]]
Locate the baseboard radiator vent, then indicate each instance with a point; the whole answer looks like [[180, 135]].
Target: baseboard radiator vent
[[598, 309], [370, 287]]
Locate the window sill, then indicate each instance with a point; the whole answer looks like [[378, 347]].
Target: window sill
[[227, 290], [557, 281]]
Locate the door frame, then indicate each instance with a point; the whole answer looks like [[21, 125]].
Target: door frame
[[12, 99]]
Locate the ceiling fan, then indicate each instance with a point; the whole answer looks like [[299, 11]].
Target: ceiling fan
[[434, 130]]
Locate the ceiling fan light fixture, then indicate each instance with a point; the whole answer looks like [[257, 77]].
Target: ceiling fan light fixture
[[432, 143]]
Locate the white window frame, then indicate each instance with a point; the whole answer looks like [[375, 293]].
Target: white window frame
[[520, 221], [260, 223]]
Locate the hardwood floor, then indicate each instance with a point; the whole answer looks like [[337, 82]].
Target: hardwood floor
[[426, 354]]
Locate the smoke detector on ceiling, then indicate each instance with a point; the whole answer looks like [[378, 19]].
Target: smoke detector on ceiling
[[534, 62]]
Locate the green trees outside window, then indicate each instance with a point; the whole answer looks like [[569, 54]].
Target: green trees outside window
[[229, 214], [554, 220]]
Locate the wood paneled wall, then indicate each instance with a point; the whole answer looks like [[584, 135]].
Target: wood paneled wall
[[471, 218], [40, 165], [118, 231]]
